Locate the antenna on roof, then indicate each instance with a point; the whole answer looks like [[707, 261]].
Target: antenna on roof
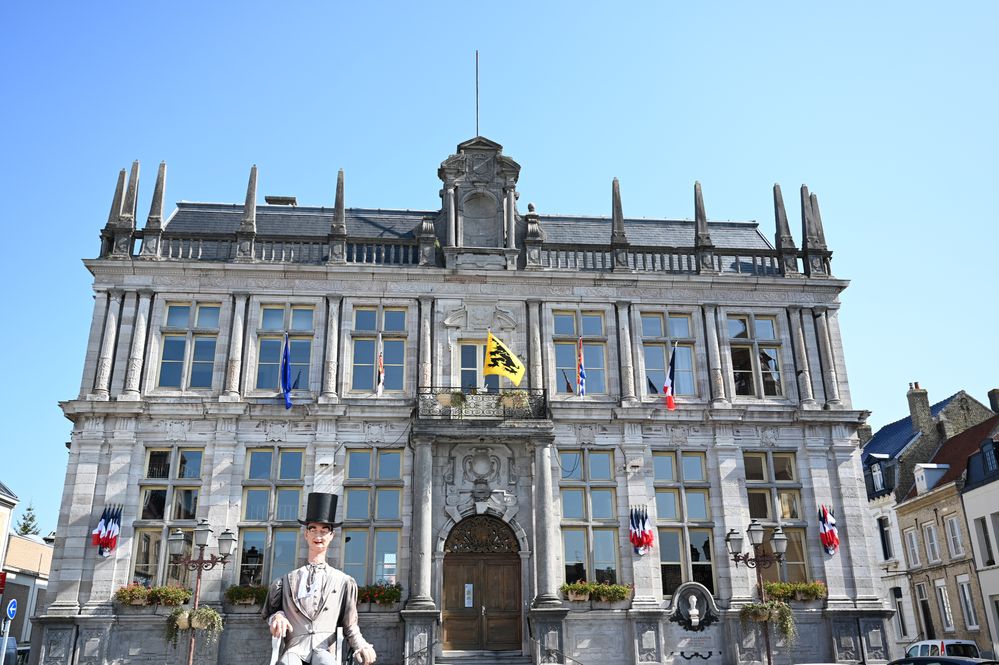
[[476, 92]]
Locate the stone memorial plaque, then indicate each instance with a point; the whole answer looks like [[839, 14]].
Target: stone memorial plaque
[[683, 646]]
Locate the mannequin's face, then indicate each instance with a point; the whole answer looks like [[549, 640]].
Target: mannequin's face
[[318, 536]]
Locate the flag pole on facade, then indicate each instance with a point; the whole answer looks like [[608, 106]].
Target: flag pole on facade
[[668, 381], [381, 369], [286, 373], [580, 369]]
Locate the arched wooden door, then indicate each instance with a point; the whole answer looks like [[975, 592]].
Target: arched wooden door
[[482, 586]]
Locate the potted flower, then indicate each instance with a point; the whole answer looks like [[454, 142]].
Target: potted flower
[[132, 594], [800, 591], [513, 399], [457, 399], [776, 611], [202, 619], [179, 619], [381, 594], [576, 591], [246, 594], [610, 593], [170, 596]]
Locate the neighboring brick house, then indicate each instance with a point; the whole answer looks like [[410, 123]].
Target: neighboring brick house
[[890, 457], [942, 574], [981, 507]]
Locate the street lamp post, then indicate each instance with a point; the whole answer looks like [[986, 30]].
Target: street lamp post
[[758, 560], [227, 541]]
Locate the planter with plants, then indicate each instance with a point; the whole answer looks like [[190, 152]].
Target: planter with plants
[[132, 595], [169, 596], [246, 594], [381, 596], [576, 591], [800, 591], [204, 619], [610, 593], [513, 400], [776, 611]]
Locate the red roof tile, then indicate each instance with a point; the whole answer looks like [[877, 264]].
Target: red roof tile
[[956, 450]]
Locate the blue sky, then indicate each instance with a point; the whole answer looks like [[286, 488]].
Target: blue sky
[[886, 110]]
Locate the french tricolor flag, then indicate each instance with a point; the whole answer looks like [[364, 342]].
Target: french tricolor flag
[[668, 382], [828, 533]]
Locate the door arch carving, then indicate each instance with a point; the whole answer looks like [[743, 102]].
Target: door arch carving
[[481, 534]]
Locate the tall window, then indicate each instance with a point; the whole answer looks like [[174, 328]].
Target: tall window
[[877, 476], [589, 515], [374, 325], [989, 456], [169, 499], [923, 600], [472, 361], [903, 630], [190, 334], [569, 327], [660, 332], [268, 528], [955, 545], [984, 543], [683, 511], [967, 602], [773, 491], [755, 350], [276, 320], [912, 547], [932, 547], [884, 529], [943, 602], [372, 515]]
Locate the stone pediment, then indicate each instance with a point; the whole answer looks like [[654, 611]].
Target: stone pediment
[[479, 143]]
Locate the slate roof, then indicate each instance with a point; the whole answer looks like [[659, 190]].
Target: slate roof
[[5, 491], [193, 219], [956, 450], [892, 438]]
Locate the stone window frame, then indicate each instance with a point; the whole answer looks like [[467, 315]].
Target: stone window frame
[[680, 486], [967, 597], [502, 382], [781, 340], [912, 547], [158, 323], [774, 488], [884, 532], [406, 336], [372, 525], [256, 333], [898, 601], [944, 606], [165, 571], [952, 531], [986, 553], [588, 524], [932, 544], [666, 341], [604, 340], [271, 527]]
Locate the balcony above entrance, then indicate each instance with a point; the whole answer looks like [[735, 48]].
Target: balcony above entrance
[[454, 403]]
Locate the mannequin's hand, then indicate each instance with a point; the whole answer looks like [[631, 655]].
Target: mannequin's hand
[[280, 626], [365, 656]]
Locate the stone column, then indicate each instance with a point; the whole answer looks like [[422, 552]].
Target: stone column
[[714, 357], [547, 536], [825, 352], [235, 349], [451, 228], [511, 202], [332, 350], [426, 352], [136, 355], [423, 478], [817, 489], [800, 356], [729, 506], [534, 341], [103, 379], [627, 364], [855, 540]]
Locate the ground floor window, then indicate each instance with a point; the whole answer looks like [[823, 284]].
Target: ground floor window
[[685, 555], [371, 556], [590, 555]]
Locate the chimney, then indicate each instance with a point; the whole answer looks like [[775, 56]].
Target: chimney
[[994, 400], [919, 410]]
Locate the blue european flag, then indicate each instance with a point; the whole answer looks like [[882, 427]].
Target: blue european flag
[[286, 373]]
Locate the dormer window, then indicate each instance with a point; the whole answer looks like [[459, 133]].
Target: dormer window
[[920, 481], [989, 455], [878, 477]]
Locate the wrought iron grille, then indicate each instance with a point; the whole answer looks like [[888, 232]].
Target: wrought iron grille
[[457, 403]]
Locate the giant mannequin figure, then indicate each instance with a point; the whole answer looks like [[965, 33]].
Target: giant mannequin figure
[[306, 606]]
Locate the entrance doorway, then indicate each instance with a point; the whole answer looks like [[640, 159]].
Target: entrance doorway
[[481, 609]]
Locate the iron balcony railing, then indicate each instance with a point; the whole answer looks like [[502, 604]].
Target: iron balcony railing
[[475, 403]]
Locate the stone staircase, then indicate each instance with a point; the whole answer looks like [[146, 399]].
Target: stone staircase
[[483, 658]]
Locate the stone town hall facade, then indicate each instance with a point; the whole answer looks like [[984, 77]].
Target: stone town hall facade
[[479, 499]]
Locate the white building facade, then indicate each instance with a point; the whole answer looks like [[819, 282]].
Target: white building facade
[[480, 498], [981, 508]]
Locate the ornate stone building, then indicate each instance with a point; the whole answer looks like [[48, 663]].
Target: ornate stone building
[[480, 498]]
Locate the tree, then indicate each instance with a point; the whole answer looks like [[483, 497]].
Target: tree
[[27, 525]]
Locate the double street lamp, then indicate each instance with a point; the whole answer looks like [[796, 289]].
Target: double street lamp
[[175, 545], [758, 560]]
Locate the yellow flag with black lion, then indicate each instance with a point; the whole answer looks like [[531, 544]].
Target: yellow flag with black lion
[[501, 360]]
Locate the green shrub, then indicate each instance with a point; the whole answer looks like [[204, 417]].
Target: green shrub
[[132, 592], [776, 611], [791, 590], [576, 587], [255, 592], [609, 592], [170, 596]]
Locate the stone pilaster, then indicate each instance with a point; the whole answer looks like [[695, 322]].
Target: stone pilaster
[[728, 507], [624, 344], [103, 380], [534, 333], [547, 540], [235, 364], [93, 344], [718, 398], [804, 375], [126, 326], [426, 351], [816, 490], [511, 217], [136, 354], [645, 569], [423, 468], [853, 508], [451, 216], [828, 363], [329, 394]]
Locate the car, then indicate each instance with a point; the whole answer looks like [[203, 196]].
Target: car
[[942, 660], [960, 648]]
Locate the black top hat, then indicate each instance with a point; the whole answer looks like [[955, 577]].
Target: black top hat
[[321, 508]]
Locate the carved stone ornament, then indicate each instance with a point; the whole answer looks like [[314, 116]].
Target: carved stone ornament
[[481, 534], [679, 436], [845, 640], [693, 607], [648, 642], [374, 432], [586, 434], [276, 431], [481, 465], [769, 435]]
